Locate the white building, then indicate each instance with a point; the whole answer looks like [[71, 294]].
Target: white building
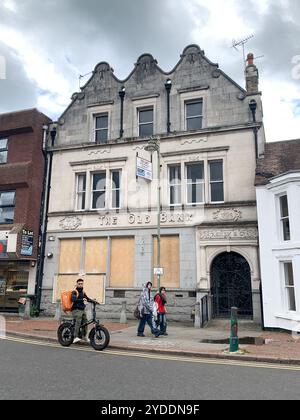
[[278, 202]]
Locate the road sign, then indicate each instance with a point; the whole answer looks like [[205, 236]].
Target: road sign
[[144, 169]]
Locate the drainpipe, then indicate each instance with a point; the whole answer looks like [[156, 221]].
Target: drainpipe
[[168, 86], [122, 94], [44, 213], [253, 108]]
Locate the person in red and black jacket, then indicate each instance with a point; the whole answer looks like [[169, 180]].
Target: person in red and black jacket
[[161, 300]]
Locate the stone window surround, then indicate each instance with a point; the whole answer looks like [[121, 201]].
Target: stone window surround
[[108, 167], [140, 104], [183, 161], [95, 112], [191, 97]]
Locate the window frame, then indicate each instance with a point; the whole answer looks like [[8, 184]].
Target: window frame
[[203, 182], [191, 102], [287, 287], [140, 124], [179, 185], [97, 191], [4, 150], [210, 182], [284, 218], [112, 190], [9, 206], [96, 130], [83, 192]]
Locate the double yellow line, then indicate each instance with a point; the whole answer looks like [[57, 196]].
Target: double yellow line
[[141, 355]]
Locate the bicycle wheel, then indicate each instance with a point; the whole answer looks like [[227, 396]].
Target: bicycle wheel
[[99, 338], [65, 334]]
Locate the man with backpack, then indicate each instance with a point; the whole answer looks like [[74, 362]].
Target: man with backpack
[[79, 299]]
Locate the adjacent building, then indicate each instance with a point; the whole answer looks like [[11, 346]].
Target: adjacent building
[[102, 221], [21, 186], [278, 202]]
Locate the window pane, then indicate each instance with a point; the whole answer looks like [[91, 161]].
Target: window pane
[[195, 172], [289, 275], [216, 171], [217, 191], [3, 144], [7, 199], [194, 109], [284, 206], [7, 215], [175, 195], [146, 130], [99, 200], [3, 157], [195, 193], [194, 124], [286, 229], [102, 122], [81, 183], [175, 175], [146, 116], [116, 175], [292, 299], [99, 181], [116, 199], [81, 201], [101, 136]]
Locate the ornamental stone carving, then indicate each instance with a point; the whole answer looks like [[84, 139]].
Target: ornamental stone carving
[[232, 234], [194, 141], [70, 223], [100, 151], [227, 215]]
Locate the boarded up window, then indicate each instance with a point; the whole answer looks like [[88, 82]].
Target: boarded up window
[[170, 261], [70, 256], [95, 255], [94, 286], [122, 262]]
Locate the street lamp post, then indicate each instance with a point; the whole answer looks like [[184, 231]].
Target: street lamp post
[[154, 146]]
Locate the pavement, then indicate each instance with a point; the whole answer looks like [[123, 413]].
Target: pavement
[[182, 339]]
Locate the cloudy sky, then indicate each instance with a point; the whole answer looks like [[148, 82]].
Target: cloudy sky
[[45, 46]]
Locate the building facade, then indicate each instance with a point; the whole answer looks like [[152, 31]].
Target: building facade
[[103, 213], [278, 202], [21, 186]]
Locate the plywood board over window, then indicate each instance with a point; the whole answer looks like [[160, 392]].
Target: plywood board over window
[[122, 263], [94, 286], [170, 261], [95, 255], [70, 256]]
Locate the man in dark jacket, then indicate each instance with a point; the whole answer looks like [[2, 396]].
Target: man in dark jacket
[[79, 299]]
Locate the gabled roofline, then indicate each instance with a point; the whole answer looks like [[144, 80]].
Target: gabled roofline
[[182, 56]]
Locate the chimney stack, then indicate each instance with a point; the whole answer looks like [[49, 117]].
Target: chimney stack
[[252, 76]]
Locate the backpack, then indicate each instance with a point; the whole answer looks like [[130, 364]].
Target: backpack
[[66, 301]]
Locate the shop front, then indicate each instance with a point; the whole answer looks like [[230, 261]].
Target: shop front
[[14, 278]]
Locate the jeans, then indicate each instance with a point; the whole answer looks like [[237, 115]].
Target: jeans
[[80, 318], [162, 323], [148, 319]]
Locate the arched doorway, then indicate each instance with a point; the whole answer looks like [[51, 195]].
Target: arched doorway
[[231, 285]]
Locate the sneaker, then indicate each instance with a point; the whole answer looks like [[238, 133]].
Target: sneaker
[[76, 340], [141, 335], [86, 340], [165, 334]]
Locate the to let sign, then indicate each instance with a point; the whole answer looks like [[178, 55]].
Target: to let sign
[[27, 243], [144, 169]]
